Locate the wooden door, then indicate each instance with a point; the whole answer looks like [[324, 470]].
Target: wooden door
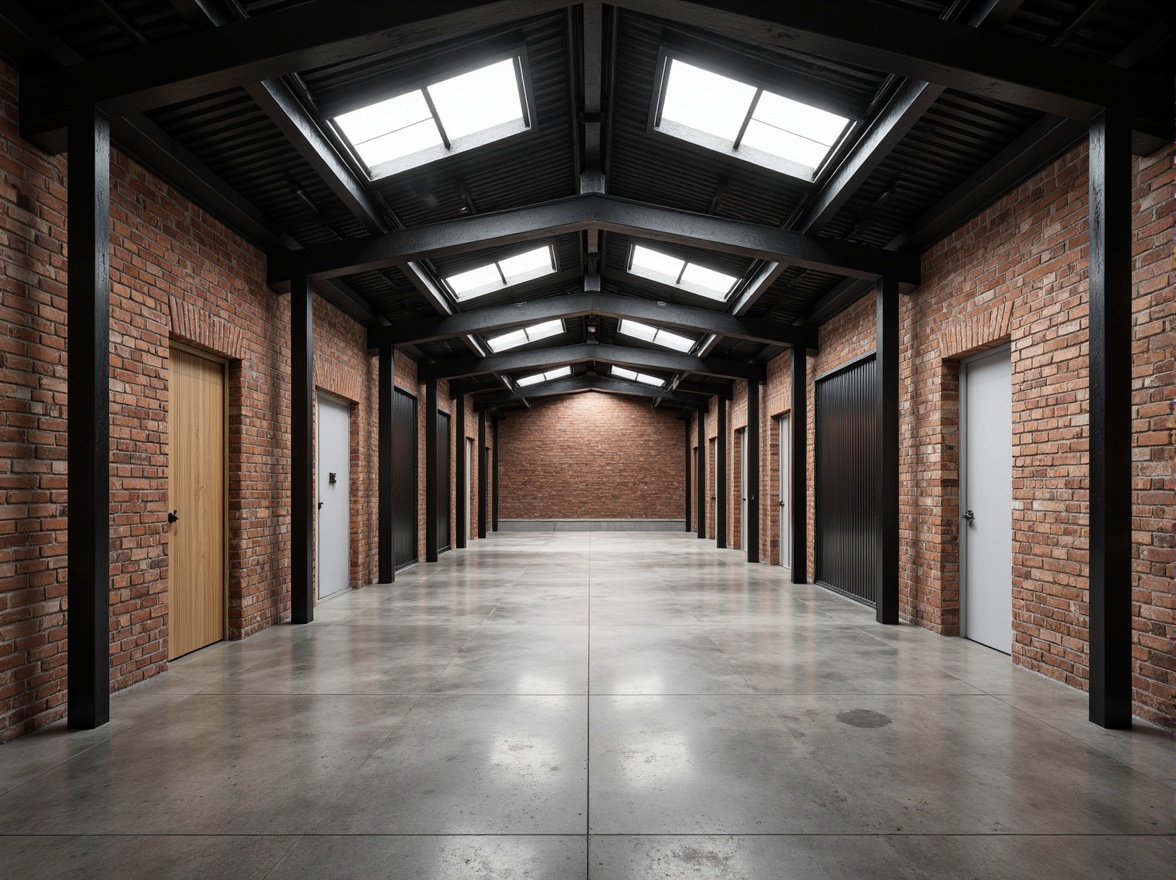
[[196, 489]]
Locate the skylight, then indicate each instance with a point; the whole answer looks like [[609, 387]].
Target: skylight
[[523, 335], [558, 373], [676, 272], [655, 335], [442, 117], [633, 376], [747, 121], [502, 273]]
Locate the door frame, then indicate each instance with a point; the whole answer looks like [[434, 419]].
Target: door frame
[[1000, 350], [224, 363]]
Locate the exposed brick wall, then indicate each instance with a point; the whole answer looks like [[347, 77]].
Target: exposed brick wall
[[592, 456], [176, 273]]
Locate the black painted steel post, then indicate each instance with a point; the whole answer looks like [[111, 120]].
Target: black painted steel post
[[482, 475], [751, 490], [721, 477], [494, 452], [431, 465], [301, 450], [886, 610], [1110, 421], [88, 396], [798, 458], [700, 494], [461, 501], [686, 425], [385, 457]]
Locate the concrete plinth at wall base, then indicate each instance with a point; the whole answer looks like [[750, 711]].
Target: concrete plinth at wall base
[[591, 525]]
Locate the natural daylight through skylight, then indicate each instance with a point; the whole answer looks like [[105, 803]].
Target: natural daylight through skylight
[[747, 121], [633, 376], [656, 335], [557, 373], [443, 117], [503, 273], [676, 272], [523, 335]]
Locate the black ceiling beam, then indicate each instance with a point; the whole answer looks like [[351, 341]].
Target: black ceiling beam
[[921, 47], [578, 384], [600, 212], [607, 305], [564, 355], [304, 37]]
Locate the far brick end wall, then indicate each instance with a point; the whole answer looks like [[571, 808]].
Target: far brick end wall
[[592, 456]]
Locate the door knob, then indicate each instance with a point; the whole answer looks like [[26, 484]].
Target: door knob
[[969, 516], [172, 516]]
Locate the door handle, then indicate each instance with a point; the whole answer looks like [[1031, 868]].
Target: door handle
[[320, 506], [172, 516], [968, 516]]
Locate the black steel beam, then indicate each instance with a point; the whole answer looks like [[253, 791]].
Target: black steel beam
[[752, 439], [304, 37], [798, 458], [386, 364], [88, 427], [562, 355], [607, 305], [594, 211], [494, 452], [459, 479], [886, 609], [489, 400], [593, 83], [302, 513], [482, 475], [432, 467], [1110, 421], [721, 476], [701, 475], [921, 47]]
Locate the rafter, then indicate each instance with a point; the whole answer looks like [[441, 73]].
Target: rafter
[[594, 211], [565, 355], [579, 384], [606, 305]]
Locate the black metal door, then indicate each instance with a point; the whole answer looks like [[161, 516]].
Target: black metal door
[[848, 553], [444, 478], [404, 478]]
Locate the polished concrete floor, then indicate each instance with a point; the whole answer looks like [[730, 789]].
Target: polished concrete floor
[[591, 705]]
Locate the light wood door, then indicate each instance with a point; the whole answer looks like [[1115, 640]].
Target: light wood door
[[196, 489]]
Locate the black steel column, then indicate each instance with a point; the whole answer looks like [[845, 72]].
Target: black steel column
[[798, 459], [88, 429], [461, 514], [686, 425], [301, 450], [1110, 421], [481, 475], [752, 439], [886, 610], [721, 476], [431, 465], [384, 455], [700, 494], [494, 452]]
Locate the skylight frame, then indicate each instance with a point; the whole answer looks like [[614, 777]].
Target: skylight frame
[[502, 283], [654, 337], [551, 375], [763, 79], [527, 337], [434, 73], [636, 376], [679, 282]]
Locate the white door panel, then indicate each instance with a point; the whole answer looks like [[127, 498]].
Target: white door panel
[[334, 496]]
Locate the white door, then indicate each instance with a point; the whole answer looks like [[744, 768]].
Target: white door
[[986, 500], [743, 490], [785, 536], [334, 496], [469, 488]]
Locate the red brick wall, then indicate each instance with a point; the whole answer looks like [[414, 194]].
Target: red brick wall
[[590, 456], [175, 273]]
